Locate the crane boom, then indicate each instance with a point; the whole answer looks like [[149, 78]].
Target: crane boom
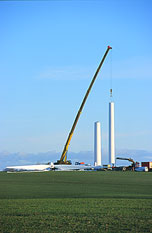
[[63, 159], [129, 159]]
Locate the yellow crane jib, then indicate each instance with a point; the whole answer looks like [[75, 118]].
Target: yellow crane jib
[[63, 159]]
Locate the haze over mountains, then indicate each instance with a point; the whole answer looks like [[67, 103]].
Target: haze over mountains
[[17, 158]]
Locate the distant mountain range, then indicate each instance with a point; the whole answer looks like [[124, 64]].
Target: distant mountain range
[[10, 159]]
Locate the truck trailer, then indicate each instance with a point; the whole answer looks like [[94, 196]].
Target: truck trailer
[[147, 164]]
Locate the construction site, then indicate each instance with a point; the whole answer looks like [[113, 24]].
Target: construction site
[[134, 166], [65, 164]]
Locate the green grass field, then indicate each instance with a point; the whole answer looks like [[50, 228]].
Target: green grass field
[[76, 202]]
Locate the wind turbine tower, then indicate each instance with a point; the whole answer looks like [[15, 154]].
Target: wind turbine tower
[[111, 132], [97, 144]]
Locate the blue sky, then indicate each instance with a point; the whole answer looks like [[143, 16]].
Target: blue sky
[[49, 53]]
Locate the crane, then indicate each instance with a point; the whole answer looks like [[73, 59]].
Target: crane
[[134, 164], [63, 159], [129, 159]]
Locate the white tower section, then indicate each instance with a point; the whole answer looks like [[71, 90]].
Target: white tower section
[[111, 134], [97, 144]]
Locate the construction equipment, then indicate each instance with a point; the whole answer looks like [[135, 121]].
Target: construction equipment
[[63, 159], [133, 165]]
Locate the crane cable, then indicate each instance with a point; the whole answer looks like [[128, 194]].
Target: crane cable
[[111, 81]]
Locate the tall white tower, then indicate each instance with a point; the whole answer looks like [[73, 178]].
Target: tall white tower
[[97, 144], [111, 134]]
